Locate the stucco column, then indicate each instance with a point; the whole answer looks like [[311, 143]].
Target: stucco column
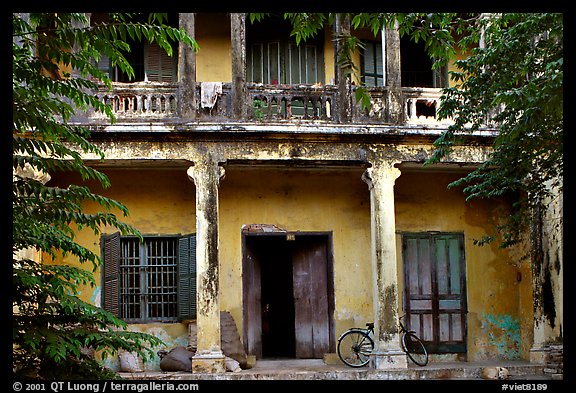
[[393, 74], [343, 80], [209, 357], [387, 352], [547, 273], [240, 100], [187, 71]]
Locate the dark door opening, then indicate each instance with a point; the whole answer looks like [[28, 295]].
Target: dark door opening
[[277, 298], [288, 295]]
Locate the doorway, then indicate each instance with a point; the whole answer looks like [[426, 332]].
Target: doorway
[[435, 289], [288, 294]]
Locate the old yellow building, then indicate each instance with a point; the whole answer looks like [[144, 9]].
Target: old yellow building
[[263, 190]]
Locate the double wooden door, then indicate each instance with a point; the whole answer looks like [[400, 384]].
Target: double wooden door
[[435, 289], [288, 295]]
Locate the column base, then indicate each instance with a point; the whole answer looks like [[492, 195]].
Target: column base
[[539, 355], [388, 359], [211, 362]]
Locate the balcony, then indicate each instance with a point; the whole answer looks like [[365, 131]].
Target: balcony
[[158, 102]]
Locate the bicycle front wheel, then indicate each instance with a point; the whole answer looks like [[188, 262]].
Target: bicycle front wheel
[[355, 347], [414, 348]]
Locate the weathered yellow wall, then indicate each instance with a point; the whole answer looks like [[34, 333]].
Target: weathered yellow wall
[[499, 287], [452, 66], [301, 201], [328, 57], [160, 201], [214, 59]]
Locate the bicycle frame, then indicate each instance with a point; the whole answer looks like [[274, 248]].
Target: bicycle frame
[[369, 329], [410, 349]]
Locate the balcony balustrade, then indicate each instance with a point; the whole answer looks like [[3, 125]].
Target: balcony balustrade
[[139, 101], [145, 101]]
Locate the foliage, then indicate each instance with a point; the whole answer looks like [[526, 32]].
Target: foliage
[[259, 109], [54, 74], [516, 82]]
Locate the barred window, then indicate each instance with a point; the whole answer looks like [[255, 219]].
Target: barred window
[[149, 281]]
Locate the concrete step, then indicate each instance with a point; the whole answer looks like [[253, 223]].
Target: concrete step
[[316, 369]]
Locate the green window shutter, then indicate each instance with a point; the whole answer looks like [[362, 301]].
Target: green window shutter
[[110, 248], [158, 66], [372, 63], [435, 289], [187, 277]]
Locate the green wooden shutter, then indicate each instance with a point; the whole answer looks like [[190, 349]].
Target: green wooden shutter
[[450, 289], [372, 63], [435, 289], [158, 66], [187, 277], [110, 248]]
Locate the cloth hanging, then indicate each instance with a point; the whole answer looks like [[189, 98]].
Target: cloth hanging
[[209, 92]]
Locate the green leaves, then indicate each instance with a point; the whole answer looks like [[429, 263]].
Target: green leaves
[[517, 81], [55, 76], [305, 25]]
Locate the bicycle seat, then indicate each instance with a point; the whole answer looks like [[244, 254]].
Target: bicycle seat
[[370, 325]]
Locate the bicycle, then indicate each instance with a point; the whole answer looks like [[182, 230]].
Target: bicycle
[[356, 344]]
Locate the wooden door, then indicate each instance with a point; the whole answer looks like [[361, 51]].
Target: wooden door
[[435, 289], [252, 296], [311, 304], [311, 290]]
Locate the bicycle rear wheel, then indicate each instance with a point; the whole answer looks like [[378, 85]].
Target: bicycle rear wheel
[[414, 348], [355, 347]]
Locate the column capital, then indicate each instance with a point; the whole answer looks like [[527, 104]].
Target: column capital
[[385, 171], [205, 170]]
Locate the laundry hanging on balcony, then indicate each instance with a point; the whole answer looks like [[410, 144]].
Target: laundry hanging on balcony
[[209, 93]]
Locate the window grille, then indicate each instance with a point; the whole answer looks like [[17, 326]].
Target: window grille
[[148, 279], [280, 62]]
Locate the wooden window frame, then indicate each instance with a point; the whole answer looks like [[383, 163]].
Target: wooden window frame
[[378, 74], [259, 69], [178, 277]]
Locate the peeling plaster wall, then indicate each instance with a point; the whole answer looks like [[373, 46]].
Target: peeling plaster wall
[[549, 318], [173, 335], [160, 201], [300, 200], [337, 200]]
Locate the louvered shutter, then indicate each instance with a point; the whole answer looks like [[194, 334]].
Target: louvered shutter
[[372, 71], [187, 277], [158, 66], [110, 246]]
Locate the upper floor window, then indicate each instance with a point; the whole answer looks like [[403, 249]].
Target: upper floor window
[[416, 66], [149, 61], [276, 62], [274, 58], [372, 65]]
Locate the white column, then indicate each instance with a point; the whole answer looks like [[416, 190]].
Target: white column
[[547, 276], [387, 353], [209, 357]]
